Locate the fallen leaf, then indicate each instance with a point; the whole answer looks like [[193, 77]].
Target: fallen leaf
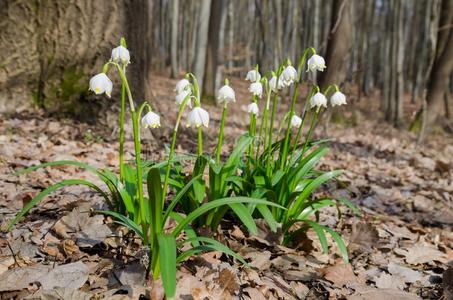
[[420, 254], [383, 294], [387, 281], [408, 274], [341, 275]]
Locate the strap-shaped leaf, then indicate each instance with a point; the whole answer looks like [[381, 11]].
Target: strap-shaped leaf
[[167, 261], [124, 221], [155, 199], [244, 215], [267, 215], [51, 189]]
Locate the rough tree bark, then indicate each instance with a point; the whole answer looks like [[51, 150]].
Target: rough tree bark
[[440, 71], [211, 65], [51, 48], [338, 46]]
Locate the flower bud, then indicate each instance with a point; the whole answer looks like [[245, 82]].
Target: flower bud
[[273, 83], [151, 120], [182, 85], [100, 83], [296, 121], [252, 108], [121, 55], [253, 76], [318, 100], [256, 88], [338, 98], [198, 117], [316, 62], [226, 94], [179, 99]]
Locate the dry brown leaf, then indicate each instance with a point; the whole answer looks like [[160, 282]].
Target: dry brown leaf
[[387, 281], [341, 275], [421, 254], [363, 238], [383, 294]]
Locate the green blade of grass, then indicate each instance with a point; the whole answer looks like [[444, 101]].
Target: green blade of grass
[[167, 260], [244, 215]]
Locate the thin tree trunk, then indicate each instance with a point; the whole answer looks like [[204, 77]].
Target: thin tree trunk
[[174, 38]]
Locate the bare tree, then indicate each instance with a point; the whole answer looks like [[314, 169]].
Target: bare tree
[[198, 65]]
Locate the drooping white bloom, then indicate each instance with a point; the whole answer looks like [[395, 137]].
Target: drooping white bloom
[[226, 94], [296, 121], [318, 100], [121, 55], [151, 119], [252, 108], [253, 76], [198, 117], [100, 83], [182, 85], [256, 88], [338, 98], [273, 83], [316, 62], [181, 96], [288, 76]]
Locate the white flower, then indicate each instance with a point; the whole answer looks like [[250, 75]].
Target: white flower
[[338, 98], [198, 117], [316, 62], [256, 88], [288, 76], [253, 76], [318, 100], [181, 96], [121, 55], [296, 121], [273, 82], [253, 108], [182, 85], [151, 120], [100, 83], [226, 94]]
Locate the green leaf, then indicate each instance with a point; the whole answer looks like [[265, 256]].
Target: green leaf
[[51, 189], [178, 197], [217, 203], [57, 163], [124, 221], [217, 246], [267, 215], [155, 198], [243, 214], [191, 234], [355, 209], [277, 177], [320, 233], [295, 208], [340, 243], [167, 259]]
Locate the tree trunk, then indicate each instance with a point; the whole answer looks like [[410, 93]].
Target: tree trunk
[[198, 64], [210, 70], [441, 69], [174, 38], [51, 48], [338, 46]]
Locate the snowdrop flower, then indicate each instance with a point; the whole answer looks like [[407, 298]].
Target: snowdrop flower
[[182, 85], [198, 117], [318, 100], [296, 121], [151, 120], [316, 62], [273, 82], [252, 108], [226, 94], [253, 76], [288, 76], [338, 98], [181, 96], [256, 88], [121, 55], [100, 83]]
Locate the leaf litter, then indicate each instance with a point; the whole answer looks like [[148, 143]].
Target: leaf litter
[[400, 248]]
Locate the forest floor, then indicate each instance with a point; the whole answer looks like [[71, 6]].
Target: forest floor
[[400, 247]]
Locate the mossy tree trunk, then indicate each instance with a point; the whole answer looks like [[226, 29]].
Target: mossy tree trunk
[[51, 48]]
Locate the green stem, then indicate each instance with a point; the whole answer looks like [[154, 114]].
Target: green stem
[[288, 127], [222, 126], [172, 150], [271, 130], [263, 124], [200, 141], [122, 114], [312, 125]]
